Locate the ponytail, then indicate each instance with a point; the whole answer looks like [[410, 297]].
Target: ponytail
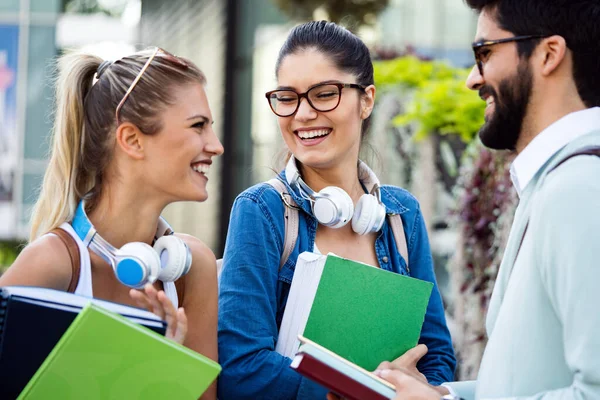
[[63, 185]]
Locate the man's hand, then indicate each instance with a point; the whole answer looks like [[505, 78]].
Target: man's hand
[[408, 387], [407, 362]]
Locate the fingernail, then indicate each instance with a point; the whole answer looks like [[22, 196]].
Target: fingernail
[[384, 372], [377, 372]]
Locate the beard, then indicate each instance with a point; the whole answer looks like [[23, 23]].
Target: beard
[[502, 129]]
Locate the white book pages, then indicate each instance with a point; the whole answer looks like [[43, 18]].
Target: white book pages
[[305, 282], [345, 367]]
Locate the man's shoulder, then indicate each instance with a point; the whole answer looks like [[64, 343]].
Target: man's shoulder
[[580, 156], [574, 167], [573, 185], [584, 142]]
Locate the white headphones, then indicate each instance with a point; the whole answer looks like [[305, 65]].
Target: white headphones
[[138, 263], [333, 207]]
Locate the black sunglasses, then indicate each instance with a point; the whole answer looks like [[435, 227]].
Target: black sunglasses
[[478, 46]]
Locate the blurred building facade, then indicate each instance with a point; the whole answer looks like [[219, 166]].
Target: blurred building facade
[[441, 29], [27, 45], [235, 43]]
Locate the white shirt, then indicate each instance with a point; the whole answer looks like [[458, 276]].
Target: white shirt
[[542, 320], [548, 142]]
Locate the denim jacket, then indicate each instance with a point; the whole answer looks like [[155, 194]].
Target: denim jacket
[[254, 291]]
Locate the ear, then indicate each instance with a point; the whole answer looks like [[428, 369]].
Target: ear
[[367, 101], [130, 140], [553, 50]]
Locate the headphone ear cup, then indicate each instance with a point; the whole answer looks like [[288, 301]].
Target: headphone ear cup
[[333, 207], [175, 258], [368, 216], [137, 264]]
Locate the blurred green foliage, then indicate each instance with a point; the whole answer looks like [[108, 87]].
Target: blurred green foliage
[[8, 253], [439, 100]]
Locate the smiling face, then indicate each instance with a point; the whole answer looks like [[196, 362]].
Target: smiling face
[[506, 86], [178, 158], [322, 139]]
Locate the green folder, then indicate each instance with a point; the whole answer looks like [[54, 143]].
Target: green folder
[[365, 314], [105, 356]]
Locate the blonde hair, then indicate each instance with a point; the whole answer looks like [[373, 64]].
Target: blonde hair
[[84, 124]]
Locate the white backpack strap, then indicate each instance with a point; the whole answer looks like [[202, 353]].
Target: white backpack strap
[[291, 220], [398, 231]]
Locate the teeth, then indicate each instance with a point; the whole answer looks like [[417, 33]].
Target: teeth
[[202, 168], [489, 100], [312, 134]]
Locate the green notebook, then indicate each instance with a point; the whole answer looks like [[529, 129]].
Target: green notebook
[[105, 356], [365, 314]]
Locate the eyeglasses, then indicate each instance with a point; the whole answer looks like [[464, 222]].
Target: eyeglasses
[[478, 47], [168, 56], [323, 97]]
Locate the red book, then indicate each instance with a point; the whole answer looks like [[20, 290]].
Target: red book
[[339, 375]]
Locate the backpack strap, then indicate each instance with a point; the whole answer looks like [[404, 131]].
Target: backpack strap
[[74, 255], [585, 151], [398, 231], [291, 220], [291, 224]]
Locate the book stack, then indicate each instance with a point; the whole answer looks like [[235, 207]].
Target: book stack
[[339, 309], [59, 345], [338, 374]]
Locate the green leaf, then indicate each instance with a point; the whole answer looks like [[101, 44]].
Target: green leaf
[[439, 100]]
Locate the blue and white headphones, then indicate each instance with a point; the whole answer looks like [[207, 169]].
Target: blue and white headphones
[[137, 263], [333, 207]]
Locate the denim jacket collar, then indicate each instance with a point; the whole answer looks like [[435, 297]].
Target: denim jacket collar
[[392, 205]]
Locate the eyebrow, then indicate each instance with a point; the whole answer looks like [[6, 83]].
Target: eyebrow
[[200, 116], [311, 86]]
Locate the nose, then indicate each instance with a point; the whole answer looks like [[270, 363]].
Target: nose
[[305, 111], [474, 80], [214, 145]]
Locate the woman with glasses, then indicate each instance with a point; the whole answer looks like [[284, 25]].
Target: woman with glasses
[[323, 102], [129, 138]]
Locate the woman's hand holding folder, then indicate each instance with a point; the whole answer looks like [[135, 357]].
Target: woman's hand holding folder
[[158, 303]]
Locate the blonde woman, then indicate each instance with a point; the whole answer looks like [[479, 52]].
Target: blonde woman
[[130, 137]]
